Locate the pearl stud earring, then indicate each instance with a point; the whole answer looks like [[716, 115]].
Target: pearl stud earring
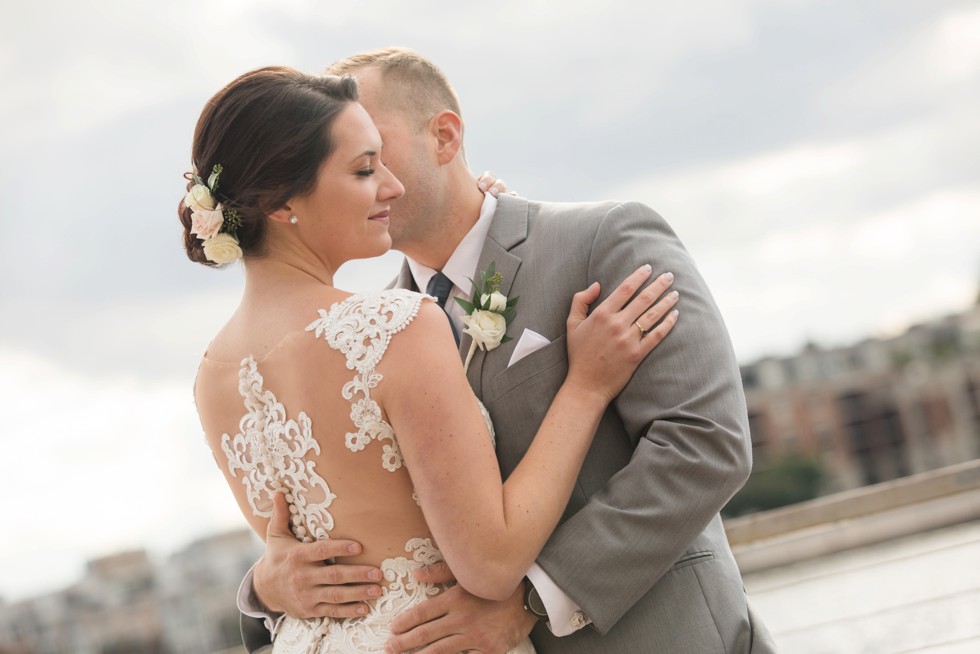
[[293, 220]]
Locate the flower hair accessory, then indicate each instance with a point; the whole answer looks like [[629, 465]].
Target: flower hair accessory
[[214, 224], [487, 313]]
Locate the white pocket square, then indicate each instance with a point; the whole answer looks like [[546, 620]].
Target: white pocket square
[[529, 342]]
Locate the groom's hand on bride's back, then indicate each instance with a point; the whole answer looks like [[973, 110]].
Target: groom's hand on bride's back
[[456, 621], [298, 579]]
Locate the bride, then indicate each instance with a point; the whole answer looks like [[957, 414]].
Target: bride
[[302, 393]]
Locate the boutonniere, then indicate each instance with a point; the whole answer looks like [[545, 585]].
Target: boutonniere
[[487, 314]]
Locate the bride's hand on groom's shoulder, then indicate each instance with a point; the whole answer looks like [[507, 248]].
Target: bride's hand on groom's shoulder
[[297, 579], [456, 621], [488, 183], [606, 344]]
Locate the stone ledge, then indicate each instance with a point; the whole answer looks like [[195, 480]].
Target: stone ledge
[[856, 518]]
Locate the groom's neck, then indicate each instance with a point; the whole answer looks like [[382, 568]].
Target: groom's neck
[[459, 213]]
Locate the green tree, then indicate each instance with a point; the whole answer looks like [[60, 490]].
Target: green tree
[[784, 481]]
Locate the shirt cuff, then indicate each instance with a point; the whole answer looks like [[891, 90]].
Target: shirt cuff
[[564, 615], [250, 604]]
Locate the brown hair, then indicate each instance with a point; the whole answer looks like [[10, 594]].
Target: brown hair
[[413, 85], [270, 132]]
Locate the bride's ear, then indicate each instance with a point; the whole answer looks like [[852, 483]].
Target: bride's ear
[[281, 215]]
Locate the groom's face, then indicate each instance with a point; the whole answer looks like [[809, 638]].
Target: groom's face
[[417, 217]]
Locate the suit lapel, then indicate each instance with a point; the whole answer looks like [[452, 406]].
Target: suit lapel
[[508, 229]]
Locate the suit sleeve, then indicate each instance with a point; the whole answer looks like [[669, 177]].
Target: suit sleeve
[[684, 408]]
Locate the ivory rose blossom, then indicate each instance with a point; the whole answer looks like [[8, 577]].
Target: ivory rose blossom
[[486, 327], [222, 248], [496, 300], [199, 197], [206, 223]]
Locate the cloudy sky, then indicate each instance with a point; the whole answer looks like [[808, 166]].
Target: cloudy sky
[[820, 159]]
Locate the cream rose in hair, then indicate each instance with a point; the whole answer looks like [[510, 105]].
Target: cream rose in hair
[[222, 248], [206, 223], [199, 197]]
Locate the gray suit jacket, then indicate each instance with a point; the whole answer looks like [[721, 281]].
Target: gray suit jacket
[[641, 546]]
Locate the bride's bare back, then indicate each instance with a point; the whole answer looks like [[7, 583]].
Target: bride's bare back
[[302, 420]]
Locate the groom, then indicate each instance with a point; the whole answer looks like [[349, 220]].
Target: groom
[[640, 562]]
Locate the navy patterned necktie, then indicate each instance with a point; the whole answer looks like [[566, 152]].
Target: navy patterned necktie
[[439, 287]]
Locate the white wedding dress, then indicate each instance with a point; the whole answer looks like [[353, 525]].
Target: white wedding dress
[[273, 452]]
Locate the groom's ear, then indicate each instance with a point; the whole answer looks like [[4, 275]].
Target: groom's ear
[[447, 128]]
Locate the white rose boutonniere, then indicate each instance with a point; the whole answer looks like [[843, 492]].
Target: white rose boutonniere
[[486, 327], [487, 313]]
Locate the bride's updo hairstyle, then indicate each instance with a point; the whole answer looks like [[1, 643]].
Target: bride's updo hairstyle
[[269, 130]]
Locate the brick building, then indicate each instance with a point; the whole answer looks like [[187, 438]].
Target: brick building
[[874, 411]]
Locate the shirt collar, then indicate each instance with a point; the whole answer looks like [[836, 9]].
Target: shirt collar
[[463, 261]]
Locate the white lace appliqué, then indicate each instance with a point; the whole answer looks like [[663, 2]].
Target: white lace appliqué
[[370, 632], [361, 327], [270, 451]]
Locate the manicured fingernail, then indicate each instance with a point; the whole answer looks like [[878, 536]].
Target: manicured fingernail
[[374, 591], [673, 295], [362, 610], [495, 192], [675, 313], [483, 186], [669, 276], [647, 267], [374, 575], [353, 548]]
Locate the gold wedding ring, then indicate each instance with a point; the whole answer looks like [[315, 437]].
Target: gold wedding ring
[[643, 332]]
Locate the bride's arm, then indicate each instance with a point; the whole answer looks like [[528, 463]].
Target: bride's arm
[[489, 531]]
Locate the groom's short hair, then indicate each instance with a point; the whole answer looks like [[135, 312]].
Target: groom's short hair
[[412, 84]]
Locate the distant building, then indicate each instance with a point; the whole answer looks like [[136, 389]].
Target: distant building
[[199, 586], [127, 605], [112, 610], [874, 411]]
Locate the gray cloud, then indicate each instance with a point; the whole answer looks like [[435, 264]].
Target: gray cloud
[[576, 103]]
